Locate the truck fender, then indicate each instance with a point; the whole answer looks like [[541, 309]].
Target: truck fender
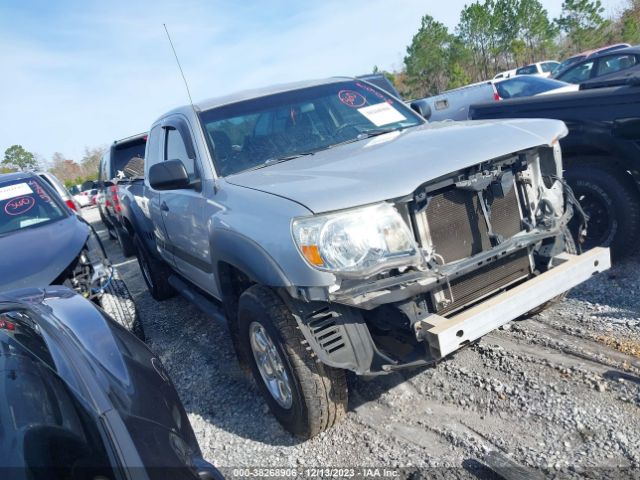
[[247, 256]]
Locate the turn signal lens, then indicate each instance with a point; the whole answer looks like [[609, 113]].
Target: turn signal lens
[[312, 254], [358, 242]]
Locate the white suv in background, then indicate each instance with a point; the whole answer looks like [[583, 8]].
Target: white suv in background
[[541, 69]]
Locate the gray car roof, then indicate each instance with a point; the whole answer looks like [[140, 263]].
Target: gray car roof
[[7, 177], [256, 93], [634, 50]]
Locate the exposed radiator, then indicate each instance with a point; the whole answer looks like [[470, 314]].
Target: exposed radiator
[[455, 226], [486, 280], [456, 222]]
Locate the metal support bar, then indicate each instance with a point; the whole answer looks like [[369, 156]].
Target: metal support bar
[[448, 334]]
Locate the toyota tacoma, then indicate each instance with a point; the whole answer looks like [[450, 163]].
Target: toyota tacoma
[[340, 231]]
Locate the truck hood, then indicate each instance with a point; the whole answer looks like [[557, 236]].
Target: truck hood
[[35, 257], [395, 164]]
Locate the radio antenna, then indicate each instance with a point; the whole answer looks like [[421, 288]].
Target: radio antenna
[[179, 66]]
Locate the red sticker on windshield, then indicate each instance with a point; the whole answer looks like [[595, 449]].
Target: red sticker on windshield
[[19, 205], [41, 193], [351, 98]]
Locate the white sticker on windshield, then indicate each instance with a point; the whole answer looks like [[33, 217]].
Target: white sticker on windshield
[[382, 114], [15, 190]]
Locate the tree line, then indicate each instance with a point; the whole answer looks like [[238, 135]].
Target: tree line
[[498, 35], [491, 36], [70, 172]]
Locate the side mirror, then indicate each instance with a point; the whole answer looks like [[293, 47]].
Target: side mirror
[[422, 108], [169, 175]]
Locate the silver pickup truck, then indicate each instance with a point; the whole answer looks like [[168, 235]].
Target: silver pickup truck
[[339, 231]]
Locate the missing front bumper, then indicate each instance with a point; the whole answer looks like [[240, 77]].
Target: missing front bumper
[[445, 335]]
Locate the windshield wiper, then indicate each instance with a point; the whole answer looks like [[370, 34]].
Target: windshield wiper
[[274, 161], [374, 132]]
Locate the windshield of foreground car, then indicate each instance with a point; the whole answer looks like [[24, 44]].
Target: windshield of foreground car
[[24, 204], [567, 63], [526, 86], [274, 128]]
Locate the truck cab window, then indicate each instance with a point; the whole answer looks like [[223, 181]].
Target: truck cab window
[[176, 149], [154, 152]]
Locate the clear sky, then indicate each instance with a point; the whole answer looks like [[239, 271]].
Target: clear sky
[[76, 73]]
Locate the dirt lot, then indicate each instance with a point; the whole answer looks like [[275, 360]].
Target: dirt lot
[[559, 391]]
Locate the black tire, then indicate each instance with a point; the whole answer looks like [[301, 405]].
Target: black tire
[[125, 241], [108, 226], [569, 247], [611, 200], [112, 232], [118, 303], [319, 392], [155, 273]]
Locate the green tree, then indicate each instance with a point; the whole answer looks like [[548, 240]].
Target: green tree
[[427, 61], [583, 23], [18, 158], [64, 169], [535, 29], [90, 162], [630, 23], [477, 29], [458, 58], [507, 28]]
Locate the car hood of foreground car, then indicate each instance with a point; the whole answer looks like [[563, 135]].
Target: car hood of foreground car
[[395, 164], [114, 372], [35, 257]]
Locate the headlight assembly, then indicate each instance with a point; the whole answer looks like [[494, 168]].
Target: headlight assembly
[[358, 242]]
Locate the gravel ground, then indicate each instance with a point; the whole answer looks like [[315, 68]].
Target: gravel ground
[[558, 392]]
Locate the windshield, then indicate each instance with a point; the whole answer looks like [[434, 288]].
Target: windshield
[[526, 86], [24, 204], [566, 63], [265, 130]]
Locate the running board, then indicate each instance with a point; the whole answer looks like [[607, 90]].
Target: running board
[[446, 335], [207, 306]]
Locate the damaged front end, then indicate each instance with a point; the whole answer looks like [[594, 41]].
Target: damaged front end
[[492, 243], [90, 272]]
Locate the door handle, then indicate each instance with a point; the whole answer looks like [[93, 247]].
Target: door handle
[[164, 207]]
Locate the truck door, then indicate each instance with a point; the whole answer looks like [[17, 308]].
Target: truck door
[[185, 212]]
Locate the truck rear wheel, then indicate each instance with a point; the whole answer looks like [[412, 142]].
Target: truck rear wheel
[[306, 396], [125, 242], [155, 273], [611, 200], [108, 226]]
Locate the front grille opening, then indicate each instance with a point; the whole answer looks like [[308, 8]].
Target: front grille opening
[[484, 281]]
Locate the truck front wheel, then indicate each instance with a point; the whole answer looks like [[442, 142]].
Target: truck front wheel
[[306, 396]]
